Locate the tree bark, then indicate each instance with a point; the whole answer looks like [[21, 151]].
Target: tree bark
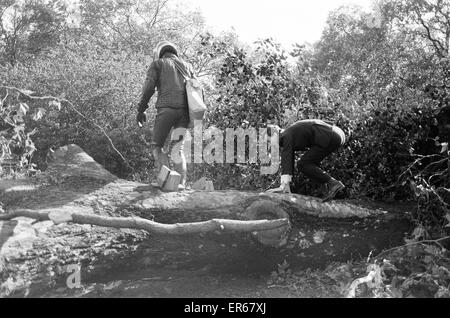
[[215, 229]]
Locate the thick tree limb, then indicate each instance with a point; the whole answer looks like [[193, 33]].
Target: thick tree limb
[[150, 226]]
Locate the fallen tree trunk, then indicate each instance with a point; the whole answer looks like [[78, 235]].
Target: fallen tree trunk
[[76, 189]]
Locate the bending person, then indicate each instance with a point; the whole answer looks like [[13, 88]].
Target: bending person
[[319, 140]]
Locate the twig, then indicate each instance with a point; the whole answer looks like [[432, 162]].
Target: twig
[[436, 194], [418, 161], [440, 174], [435, 163], [270, 186], [412, 244]]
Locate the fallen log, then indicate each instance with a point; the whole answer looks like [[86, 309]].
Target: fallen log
[[75, 189]]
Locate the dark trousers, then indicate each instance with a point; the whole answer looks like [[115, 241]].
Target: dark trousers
[[309, 163], [166, 119]]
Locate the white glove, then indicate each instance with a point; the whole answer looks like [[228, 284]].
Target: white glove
[[286, 178]]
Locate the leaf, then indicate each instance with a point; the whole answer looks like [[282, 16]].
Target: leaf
[[442, 293], [17, 118], [283, 266], [38, 114], [444, 147], [418, 233], [23, 109], [369, 279], [19, 129], [55, 103], [31, 133]]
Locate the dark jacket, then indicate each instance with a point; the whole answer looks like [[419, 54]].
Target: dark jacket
[[164, 76], [301, 136], [306, 133]]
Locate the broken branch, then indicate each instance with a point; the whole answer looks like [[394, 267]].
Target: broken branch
[[137, 223]]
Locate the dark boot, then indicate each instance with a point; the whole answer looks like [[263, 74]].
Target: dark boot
[[334, 186]]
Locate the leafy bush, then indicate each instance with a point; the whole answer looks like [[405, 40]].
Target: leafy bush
[[101, 91], [16, 144]]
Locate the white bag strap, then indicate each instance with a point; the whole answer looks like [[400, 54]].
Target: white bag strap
[[186, 77], [181, 70]]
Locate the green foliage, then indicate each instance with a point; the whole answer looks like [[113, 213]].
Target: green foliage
[[100, 93], [382, 84], [28, 28], [252, 90], [99, 66], [390, 83], [16, 144]]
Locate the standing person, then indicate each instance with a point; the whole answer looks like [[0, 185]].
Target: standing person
[[171, 104], [319, 139]]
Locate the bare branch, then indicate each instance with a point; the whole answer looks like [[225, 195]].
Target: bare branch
[[159, 7], [412, 244], [137, 223], [436, 43]]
